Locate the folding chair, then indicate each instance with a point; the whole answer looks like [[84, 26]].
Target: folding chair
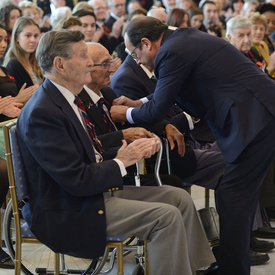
[[15, 228]]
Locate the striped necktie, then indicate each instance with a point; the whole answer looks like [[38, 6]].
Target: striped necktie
[[90, 126], [105, 116]]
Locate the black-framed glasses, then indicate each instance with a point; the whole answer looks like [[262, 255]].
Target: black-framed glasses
[[105, 65], [133, 54]]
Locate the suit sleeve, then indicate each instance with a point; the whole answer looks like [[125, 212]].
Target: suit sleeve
[[171, 70]]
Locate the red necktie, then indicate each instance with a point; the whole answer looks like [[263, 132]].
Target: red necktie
[[90, 126], [105, 116]]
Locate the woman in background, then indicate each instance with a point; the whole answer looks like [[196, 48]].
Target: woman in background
[[178, 18], [196, 19], [20, 59]]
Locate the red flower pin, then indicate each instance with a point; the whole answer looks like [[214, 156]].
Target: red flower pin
[[11, 77]]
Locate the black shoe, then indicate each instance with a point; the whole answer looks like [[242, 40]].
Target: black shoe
[[266, 232], [257, 258], [259, 245]]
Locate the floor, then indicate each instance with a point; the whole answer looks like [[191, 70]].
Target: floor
[[198, 197]]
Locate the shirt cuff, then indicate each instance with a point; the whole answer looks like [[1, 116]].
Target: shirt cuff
[[190, 121], [129, 115], [121, 167], [144, 100]]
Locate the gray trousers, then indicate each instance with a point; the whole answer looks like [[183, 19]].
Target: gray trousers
[[210, 165], [165, 216]]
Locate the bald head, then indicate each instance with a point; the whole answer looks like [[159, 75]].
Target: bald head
[[158, 13], [102, 68], [96, 50]]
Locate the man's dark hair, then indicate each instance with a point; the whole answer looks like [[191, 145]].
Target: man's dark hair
[[84, 12], [148, 27], [207, 2], [265, 8], [56, 43]]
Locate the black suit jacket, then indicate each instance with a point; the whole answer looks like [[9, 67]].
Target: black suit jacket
[[66, 184], [223, 86]]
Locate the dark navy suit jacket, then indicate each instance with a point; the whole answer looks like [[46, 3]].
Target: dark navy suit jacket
[[65, 182], [211, 79]]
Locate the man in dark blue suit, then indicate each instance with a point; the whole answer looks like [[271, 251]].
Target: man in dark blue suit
[[212, 79], [76, 189]]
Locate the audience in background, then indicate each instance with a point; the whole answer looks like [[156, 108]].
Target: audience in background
[[185, 4], [20, 59], [158, 13], [258, 30], [59, 13], [196, 19], [248, 7], [178, 18], [70, 23], [88, 20], [82, 6], [8, 16]]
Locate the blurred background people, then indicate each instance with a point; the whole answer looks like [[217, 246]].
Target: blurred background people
[[8, 16], [178, 18], [20, 59]]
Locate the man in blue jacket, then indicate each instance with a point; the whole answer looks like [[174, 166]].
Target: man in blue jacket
[[212, 79]]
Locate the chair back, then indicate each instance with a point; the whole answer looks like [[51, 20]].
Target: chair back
[[16, 169]]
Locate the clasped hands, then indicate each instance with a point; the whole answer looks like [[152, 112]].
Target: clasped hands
[[118, 114]]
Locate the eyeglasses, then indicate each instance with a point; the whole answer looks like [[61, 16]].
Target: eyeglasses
[[133, 54], [105, 65]]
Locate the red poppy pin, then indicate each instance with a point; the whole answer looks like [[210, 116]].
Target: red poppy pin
[[11, 77]]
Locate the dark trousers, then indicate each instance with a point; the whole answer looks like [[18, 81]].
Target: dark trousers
[[237, 197]]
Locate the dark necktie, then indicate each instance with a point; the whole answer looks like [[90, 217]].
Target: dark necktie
[[90, 126], [154, 79], [108, 122]]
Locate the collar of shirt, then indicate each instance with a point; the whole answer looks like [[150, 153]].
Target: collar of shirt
[[147, 71], [95, 98], [115, 16], [70, 98]]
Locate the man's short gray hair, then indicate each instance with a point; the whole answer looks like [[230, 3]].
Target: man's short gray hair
[[56, 43], [237, 22]]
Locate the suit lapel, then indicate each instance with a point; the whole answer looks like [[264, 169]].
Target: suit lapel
[[59, 100]]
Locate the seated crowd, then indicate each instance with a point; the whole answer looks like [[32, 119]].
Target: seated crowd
[[90, 67]]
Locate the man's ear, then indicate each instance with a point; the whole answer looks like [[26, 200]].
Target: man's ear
[[147, 43], [229, 37], [58, 64]]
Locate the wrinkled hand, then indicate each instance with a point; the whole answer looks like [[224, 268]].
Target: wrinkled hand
[[137, 150], [134, 133], [118, 113], [123, 100], [173, 134], [98, 34], [25, 93]]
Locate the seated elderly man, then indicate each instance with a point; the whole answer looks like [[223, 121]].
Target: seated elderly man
[[238, 33], [76, 187]]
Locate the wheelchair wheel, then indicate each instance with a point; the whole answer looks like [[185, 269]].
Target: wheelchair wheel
[[36, 258]]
